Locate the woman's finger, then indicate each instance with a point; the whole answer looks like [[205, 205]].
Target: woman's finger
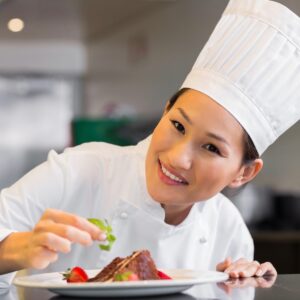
[[68, 232], [52, 242], [249, 269], [237, 265], [41, 257], [242, 268], [222, 266], [266, 269], [75, 221]]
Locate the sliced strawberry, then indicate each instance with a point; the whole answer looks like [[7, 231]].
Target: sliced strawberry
[[77, 274], [126, 276], [133, 277], [163, 275]]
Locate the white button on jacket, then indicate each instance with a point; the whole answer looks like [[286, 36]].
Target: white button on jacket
[[99, 180], [123, 215]]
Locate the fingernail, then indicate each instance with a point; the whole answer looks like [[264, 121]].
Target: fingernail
[[102, 236], [259, 273]]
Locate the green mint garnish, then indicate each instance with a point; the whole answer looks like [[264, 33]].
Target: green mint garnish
[[122, 276], [106, 228]]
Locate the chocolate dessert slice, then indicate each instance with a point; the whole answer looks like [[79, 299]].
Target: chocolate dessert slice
[[139, 263]]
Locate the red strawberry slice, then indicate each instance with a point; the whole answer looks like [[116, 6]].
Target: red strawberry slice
[[133, 277], [163, 275], [126, 276], [77, 274]]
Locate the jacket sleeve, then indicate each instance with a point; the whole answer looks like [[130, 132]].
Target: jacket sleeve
[[23, 203], [232, 237], [241, 243]]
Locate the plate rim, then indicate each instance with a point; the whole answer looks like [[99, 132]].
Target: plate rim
[[24, 281]]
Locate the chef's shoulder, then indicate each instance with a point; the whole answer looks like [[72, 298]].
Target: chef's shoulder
[[98, 148], [103, 150], [92, 160]]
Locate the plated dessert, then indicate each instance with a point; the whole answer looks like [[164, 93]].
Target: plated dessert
[[137, 266]]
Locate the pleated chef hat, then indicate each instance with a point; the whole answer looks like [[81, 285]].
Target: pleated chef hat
[[251, 66]]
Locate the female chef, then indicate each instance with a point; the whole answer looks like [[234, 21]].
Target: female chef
[[164, 193]]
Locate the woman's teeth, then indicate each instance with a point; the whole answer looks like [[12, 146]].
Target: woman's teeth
[[170, 175]]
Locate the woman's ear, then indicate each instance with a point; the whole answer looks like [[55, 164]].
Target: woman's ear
[[247, 173]]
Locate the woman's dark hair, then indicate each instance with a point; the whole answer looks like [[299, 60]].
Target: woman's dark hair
[[250, 152]]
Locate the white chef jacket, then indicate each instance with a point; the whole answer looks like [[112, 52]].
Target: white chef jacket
[[100, 180]]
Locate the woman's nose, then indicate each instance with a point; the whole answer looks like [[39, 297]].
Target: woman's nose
[[181, 156]]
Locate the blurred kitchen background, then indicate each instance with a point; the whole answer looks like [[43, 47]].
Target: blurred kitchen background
[[73, 71]]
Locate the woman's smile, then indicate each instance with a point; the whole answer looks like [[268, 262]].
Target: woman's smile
[[169, 176]]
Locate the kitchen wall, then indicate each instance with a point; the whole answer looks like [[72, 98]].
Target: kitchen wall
[[39, 84], [144, 62], [43, 57]]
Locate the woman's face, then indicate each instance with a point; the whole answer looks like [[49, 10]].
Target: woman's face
[[196, 150]]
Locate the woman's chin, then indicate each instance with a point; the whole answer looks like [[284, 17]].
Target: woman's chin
[[164, 199], [157, 196]]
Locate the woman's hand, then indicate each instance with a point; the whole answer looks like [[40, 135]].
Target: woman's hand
[[53, 234], [245, 268]]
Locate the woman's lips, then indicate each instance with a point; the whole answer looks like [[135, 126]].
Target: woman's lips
[[169, 177]]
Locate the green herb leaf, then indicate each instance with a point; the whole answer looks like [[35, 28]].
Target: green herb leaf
[[105, 247], [107, 229], [122, 276], [118, 277], [98, 223], [111, 238]]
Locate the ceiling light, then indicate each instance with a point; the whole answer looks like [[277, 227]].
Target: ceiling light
[[15, 25]]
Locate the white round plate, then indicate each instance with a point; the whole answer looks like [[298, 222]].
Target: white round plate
[[181, 280]]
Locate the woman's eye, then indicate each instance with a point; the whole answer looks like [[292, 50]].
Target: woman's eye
[[212, 148], [178, 126]]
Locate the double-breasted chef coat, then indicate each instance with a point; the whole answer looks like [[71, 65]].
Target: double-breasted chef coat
[[99, 180]]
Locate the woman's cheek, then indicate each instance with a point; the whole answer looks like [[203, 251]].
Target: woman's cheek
[[160, 135]]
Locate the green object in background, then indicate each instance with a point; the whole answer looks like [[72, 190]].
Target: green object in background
[[104, 130]]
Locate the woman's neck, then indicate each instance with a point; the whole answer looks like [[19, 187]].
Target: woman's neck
[[175, 214]]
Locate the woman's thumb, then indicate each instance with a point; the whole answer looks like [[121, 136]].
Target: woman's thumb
[[222, 266]]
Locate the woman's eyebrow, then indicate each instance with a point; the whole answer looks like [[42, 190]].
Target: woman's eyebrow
[[184, 115], [210, 134], [217, 137]]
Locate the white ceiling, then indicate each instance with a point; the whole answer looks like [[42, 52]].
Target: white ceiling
[[71, 19]]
